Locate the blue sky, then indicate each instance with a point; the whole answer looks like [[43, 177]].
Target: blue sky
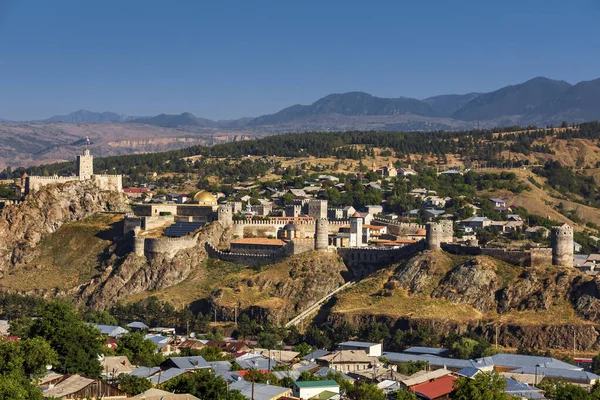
[[228, 59]]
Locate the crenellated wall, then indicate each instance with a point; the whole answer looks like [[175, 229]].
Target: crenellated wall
[[36, 182], [245, 258], [304, 228], [533, 257], [398, 228]]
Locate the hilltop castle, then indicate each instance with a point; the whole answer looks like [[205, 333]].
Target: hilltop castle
[[85, 172]]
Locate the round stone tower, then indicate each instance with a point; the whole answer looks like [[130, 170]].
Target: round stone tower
[[321, 234], [225, 215], [138, 243], [434, 236], [562, 245]]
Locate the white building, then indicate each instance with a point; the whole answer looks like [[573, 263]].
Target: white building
[[372, 349]]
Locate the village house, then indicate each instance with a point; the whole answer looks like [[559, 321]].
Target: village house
[[371, 349], [347, 360], [312, 389], [476, 222]]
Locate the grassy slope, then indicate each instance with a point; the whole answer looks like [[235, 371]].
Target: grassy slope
[[68, 257]]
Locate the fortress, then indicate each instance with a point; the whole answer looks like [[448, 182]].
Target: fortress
[[85, 172]]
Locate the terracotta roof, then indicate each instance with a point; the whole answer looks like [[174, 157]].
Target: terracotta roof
[[136, 190], [355, 215], [436, 388], [263, 241], [421, 232]]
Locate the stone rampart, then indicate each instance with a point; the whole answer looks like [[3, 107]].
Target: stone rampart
[[364, 260], [265, 228], [108, 182], [244, 258], [36, 182], [155, 247], [533, 257], [398, 228]]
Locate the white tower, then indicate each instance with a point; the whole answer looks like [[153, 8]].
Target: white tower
[[85, 165], [356, 229]]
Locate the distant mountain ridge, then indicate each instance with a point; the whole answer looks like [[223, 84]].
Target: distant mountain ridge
[[541, 101]]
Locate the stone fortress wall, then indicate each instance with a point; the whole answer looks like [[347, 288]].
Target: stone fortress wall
[[265, 228], [85, 172]]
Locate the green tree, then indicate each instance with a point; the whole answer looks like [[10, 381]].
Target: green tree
[[304, 349], [485, 386], [364, 391], [133, 385], [139, 350], [561, 390], [77, 343], [464, 348], [403, 395], [203, 384]]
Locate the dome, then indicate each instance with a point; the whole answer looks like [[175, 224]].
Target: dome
[[204, 197], [355, 215], [289, 227]]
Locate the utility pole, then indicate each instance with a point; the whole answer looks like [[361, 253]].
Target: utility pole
[[496, 337]]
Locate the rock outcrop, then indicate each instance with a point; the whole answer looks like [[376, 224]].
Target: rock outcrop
[[136, 274], [43, 212]]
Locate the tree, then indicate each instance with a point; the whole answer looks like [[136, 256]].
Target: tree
[[485, 386], [133, 385], [139, 350], [464, 348], [403, 395], [20, 361], [203, 384], [304, 349], [364, 391], [561, 390], [77, 343]]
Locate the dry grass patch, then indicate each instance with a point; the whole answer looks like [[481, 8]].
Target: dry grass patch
[[69, 257]]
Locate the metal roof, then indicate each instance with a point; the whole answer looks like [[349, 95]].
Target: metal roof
[[354, 343]]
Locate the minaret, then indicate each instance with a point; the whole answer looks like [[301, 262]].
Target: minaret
[[85, 165], [356, 234]]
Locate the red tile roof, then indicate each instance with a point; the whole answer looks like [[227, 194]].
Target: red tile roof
[[435, 388]]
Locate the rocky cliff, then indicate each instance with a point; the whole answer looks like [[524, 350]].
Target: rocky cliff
[[134, 274], [530, 306], [45, 211]]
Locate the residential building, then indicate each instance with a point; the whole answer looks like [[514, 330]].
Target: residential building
[[79, 387], [260, 391], [310, 389], [347, 360], [371, 349]]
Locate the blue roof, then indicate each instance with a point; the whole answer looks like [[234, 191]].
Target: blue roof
[[137, 325], [196, 362], [453, 363], [110, 330], [315, 354], [323, 372], [257, 363], [229, 376], [164, 376], [567, 374], [145, 372], [261, 391], [469, 372], [353, 343], [426, 350], [519, 360], [221, 366]]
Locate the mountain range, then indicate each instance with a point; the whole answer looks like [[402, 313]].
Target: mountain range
[[540, 101]]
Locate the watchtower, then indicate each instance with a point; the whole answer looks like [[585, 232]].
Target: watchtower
[[225, 215], [317, 209], [434, 236], [85, 165], [562, 245], [321, 234]]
